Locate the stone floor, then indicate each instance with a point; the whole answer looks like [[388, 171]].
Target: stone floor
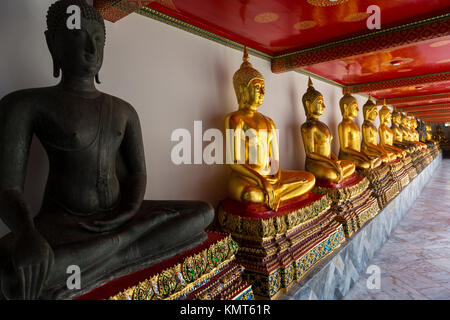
[[415, 261]]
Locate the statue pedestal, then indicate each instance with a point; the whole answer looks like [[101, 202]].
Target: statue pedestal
[[417, 160], [399, 173], [382, 183], [352, 200], [279, 248], [409, 167], [206, 272]]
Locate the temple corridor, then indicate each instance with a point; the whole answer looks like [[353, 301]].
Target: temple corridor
[[415, 261]]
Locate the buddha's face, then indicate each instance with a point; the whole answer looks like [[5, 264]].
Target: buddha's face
[[79, 53], [351, 109], [385, 118], [405, 121], [371, 113], [315, 108], [397, 119], [253, 94]]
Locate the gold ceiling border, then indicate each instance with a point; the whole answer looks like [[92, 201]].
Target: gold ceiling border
[[398, 83], [367, 35]]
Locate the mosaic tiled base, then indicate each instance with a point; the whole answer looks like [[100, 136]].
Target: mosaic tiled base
[[206, 272], [354, 204], [272, 244], [333, 278], [270, 286]]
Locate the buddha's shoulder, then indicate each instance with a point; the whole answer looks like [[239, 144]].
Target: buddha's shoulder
[[24, 101], [236, 116], [243, 117], [26, 96], [121, 105]]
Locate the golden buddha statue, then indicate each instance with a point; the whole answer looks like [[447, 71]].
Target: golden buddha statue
[[416, 136], [317, 141], [429, 135], [400, 137], [407, 135], [256, 175], [412, 135], [439, 136], [350, 136], [386, 133], [369, 143]]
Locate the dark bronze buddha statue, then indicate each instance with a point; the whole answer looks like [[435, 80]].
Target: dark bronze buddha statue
[[93, 213]]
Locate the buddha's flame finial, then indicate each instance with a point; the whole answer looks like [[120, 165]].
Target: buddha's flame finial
[[310, 84], [245, 58], [384, 102]]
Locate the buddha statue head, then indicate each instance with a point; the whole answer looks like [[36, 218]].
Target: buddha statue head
[[370, 111], [385, 115], [76, 52], [396, 117], [248, 85], [313, 102], [349, 106], [405, 121]]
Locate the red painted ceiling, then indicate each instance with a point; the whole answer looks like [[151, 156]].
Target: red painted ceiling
[[429, 57], [413, 90], [283, 27], [280, 26]]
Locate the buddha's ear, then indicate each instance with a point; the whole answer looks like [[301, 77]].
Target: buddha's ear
[[345, 110], [244, 94], [51, 48], [307, 109]]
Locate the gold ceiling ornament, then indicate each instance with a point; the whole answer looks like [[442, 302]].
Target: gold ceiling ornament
[[443, 61], [266, 17], [326, 3], [305, 25], [355, 17]]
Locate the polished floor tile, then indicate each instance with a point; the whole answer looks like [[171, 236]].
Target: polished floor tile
[[415, 261]]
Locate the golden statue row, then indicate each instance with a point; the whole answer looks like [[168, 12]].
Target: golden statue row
[[286, 221]]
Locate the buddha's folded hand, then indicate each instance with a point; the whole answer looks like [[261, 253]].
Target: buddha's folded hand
[[32, 262]]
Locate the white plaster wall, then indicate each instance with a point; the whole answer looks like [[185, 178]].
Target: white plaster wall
[[172, 78]]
